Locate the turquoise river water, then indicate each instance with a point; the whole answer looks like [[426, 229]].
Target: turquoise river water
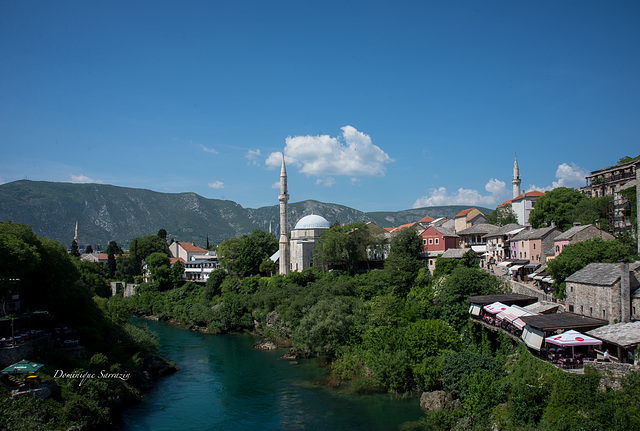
[[224, 384]]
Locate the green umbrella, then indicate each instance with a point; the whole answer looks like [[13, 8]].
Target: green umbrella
[[22, 367]]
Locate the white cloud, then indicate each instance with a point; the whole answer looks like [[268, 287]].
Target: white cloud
[[327, 182], [1, 180], [216, 185], [570, 176], [253, 156], [276, 185], [208, 150], [440, 196], [353, 154], [81, 179]]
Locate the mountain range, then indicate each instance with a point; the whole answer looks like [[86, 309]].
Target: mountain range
[[105, 213]]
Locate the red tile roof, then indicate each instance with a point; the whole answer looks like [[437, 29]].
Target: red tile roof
[[191, 248], [464, 212], [505, 203], [533, 194], [426, 219]]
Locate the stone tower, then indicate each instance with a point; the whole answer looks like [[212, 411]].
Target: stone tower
[[516, 179], [76, 236], [283, 197]]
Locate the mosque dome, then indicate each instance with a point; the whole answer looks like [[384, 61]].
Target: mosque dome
[[313, 222]]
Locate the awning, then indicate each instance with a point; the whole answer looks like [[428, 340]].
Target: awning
[[538, 277], [547, 280], [532, 337], [573, 338], [515, 267], [505, 263], [495, 308], [474, 309], [532, 265], [479, 248], [22, 367]]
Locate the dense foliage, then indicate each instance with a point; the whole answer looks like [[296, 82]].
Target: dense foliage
[[49, 279], [564, 206], [502, 216]]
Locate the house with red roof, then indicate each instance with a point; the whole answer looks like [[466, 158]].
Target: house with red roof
[[435, 241], [467, 218], [523, 205]]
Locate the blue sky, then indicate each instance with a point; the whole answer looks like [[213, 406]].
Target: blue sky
[[377, 105]]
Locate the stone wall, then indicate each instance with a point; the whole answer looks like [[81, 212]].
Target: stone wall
[[127, 289], [524, 289], [614, 368], [11, 355]]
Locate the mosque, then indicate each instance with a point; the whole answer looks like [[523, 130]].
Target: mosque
[[296, 252]]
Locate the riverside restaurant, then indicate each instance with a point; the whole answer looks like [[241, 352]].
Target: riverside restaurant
[[553, 337]]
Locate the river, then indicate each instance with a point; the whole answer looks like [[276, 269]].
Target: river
[[224, 384]]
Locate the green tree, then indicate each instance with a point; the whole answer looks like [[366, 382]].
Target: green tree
[[463, 282], [160, 269], [162, 233], [229, 251], [88, 249], [406, 242], [337, 247], [267, 267], [558, 206], [113, 250], [446, 265], [142, 247], [93, 278], [329, 324], [502, 216], [250, 257], [266, 242], [75, 251]]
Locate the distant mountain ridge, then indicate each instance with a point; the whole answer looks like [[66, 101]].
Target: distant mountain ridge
[[105, 213]]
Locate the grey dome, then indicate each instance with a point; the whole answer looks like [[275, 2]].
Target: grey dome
[[313, 222]]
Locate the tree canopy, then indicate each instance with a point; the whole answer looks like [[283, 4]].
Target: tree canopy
[[564, 206]]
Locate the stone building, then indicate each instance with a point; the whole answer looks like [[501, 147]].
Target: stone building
[[609, 182], [304, 238], [605, 291], [579, 233]]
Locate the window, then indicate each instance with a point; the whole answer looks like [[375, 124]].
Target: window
[[582, 309], [437, 240], [557, 249], [572, 288], [604, 314], [571, 308], [424, 242], [430, 240], [590, 311], [523, 243], [525, 254]]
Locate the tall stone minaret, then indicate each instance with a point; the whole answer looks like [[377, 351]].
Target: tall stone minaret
[[516, 179], [283, 197], [76, 236]]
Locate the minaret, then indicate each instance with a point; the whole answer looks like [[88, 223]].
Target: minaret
[[76, 236], [516, 179], [283, 197]]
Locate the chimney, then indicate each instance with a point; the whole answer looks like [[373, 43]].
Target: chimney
[[576, 223], [625, 293]]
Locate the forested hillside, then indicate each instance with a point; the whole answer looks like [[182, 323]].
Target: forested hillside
[[109, 213]]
